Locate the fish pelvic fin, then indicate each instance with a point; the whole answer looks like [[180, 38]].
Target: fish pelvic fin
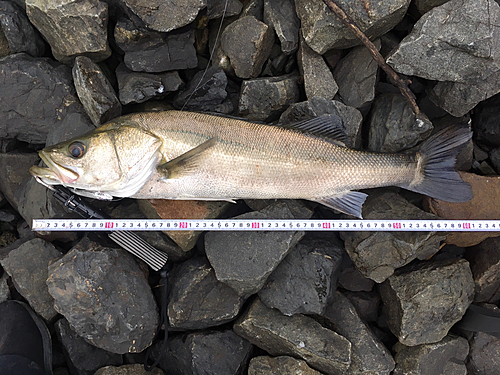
[[350, 202], [436, 175]]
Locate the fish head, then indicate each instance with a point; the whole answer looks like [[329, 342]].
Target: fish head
[[115, 160]]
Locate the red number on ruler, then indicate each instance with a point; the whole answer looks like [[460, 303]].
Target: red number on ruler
[[108, 225], [396, 225], [255, 225]]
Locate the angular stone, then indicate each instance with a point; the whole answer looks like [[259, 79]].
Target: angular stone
[[19, 33], [247, 42], [71, 126], [446, 357], [486, 120], [24, 79], [484, 354], [265, 365], [367, 304], [258, 253], [485, 265], [318, 79], [424, 6], [298, 336], [154, 52], [495, 159], [198, 300], [82, 357], [136, 369], [4, 288], [27, 265], [422, 303], [305, 279], [281, 16], [368, 354], [95, 91], [377, 254], [165, 16], [392, 125], [72, 28], [323, 30], [105, 296], [485, 205], [223, 8], [317, 106], [14, 175], [253, 8], [353, 280]]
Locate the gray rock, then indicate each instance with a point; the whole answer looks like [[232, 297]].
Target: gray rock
[[305, 279], [298, 336], [139, 87], [136, 369], [27, 265], [281, 16], [259, 253], [215, 8], [204, 92], [165, 16], [154, 52], [4, 288], [424, 6], [14, 175], [356, 76], [323, 31], [247, 42], [105, 296], [377, 254], [392, 125], [485, 265], [368, 354], [486, 121], [71, 126], [317, 106], [95, 91], [446, 357], [24, 79], [353, 280], [253, 8], [422, 303], [265, 365], [72, 28], [198, 300], [222, 353], [367, 304], [495, 159], [484, 354], [318, 79], [83, 358], [20, 35]]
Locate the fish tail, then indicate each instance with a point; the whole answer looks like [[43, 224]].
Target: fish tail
[[436, 175]]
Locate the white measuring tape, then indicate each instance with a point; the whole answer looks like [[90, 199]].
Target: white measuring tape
[[265, 225]]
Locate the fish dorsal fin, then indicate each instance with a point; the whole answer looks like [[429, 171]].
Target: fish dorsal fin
[[328, 126], [187, 162], [350, 203]]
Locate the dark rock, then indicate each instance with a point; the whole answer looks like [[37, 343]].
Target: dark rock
[[446, 357], [222, 353], [317, 106], [377, 254], [298, 336], [281, 16], [367, 304], [424, 6], [83, 358], [71, 126], [136, 369], [264, 99], [4, 288], [14, 174], [95, 91], [323, 30], [422, 303], [486, 121], [140, 87], [259, 253], [247, 42], [165, 16], [43, 83], [305, 279], [253, 8], [4, 45], [356, 76], [215, 8], [206, 90], [392, 125], [198, 300], [265, 365], [485, 265], [495, 159], [368, 354], [105, 297], [318, 79], [484, 354], [353, 280], [72, 28], [20, 35], [153, 52], [27, 265]]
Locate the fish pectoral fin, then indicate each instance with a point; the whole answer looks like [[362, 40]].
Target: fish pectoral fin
[[350, 202], [328, 126], [186, 163]]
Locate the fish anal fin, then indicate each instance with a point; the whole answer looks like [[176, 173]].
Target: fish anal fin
[[186, 163], [327, 126], [350, 202]]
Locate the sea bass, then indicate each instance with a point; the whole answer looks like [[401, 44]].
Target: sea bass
[[185, 155]]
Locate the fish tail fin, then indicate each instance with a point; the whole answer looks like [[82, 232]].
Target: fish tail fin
[[436, 175]]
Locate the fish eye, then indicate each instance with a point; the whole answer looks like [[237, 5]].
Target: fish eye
[[77, 149]]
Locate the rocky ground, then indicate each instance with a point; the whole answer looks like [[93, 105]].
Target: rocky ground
[[269, 302]]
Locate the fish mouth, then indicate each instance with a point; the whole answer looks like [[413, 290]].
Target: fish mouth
[[53, 174]]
